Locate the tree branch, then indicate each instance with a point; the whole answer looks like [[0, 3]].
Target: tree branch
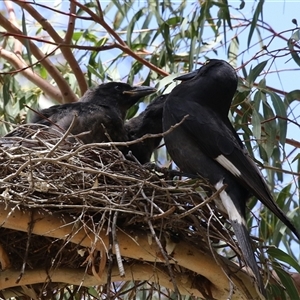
[[121, 44], [13, 20], [67, 53], [137, 271], [65, 89], [134, 245], [18, 62]]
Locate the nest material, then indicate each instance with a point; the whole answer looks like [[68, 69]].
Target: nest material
[[95, 185]]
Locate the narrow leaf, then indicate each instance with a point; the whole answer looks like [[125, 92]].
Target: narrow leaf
[[281, 112], [256, 15], [295, 56], [288, 283], [256, 125], [292, 96], [282, 256], [26, 44], [254, 73], [131, 25]]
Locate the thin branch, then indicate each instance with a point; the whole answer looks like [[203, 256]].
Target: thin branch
[[59, 11], [67, 53], [12, 18], [121, 44], [71, 24], [21, 66], [64, 87]]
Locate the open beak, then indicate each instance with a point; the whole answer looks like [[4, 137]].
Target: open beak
[[140, 91], [187, 76]]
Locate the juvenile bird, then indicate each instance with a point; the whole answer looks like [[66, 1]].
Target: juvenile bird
[[149, 121], [207, 145], [100, 112]]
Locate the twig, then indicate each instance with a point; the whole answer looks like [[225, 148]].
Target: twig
[[64, 87], [109, 254], [164, 254], [71, 24], [121, 45], [63, 137], [115, 240], [18, 62], [12, 18], [164, 214], [67, 53], [212, 197], [29, 234]]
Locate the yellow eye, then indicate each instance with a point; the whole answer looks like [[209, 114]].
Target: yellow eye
[[207, 62]]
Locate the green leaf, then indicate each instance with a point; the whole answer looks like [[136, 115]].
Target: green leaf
[[132, 111], [101, 42], [183, 26], [257, 100], [281, 112], [244, 70], [192, 49], [254, 73], [291, 96], [298, 170], [131, 25], [242, 5], [288, 283], [270, 129], [296, 35], [90, 37], [284, 194], [277, 162], [233, 51], [6, 93], [166, 81], [43, 72], [257, 13], [26, 44], [92, 70], [256, 125], [282, 256], [174, 21], [77, 35], [291, 42]]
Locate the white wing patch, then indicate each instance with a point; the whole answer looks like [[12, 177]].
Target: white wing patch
[[232, 212], [223, 161]]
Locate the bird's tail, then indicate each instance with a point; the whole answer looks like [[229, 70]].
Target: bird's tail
[[234, 202], [243, 238]]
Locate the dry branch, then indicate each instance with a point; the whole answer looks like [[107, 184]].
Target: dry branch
[[67, 52], [66, 91]]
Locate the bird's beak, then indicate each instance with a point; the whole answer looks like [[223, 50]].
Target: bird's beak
[[187, 76], [140, 91]]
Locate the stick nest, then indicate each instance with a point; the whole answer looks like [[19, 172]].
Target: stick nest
[[94, 184]]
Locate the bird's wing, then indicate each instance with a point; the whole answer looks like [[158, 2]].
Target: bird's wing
[[54, 113], [217, 141]]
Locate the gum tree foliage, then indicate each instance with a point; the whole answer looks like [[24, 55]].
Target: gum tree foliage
[[89, 42]]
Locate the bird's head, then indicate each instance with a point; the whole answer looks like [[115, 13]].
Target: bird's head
[[215, 68], [117, 94], [216, 81]]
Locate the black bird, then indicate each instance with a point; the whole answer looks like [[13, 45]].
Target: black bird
[[100, 112], [149, 121], [206, 144]]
